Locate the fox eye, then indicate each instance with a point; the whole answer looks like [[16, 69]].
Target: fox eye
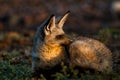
[[59, 37]]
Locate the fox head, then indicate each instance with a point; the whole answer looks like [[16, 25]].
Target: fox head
[[53, 31]]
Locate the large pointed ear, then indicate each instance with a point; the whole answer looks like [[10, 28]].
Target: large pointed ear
[[50, 25], [63, 19]]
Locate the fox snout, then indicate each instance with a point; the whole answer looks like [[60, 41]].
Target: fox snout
[[68, 41]]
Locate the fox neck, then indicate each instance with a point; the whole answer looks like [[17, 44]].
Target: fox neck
[[50, 48], [49, 52]]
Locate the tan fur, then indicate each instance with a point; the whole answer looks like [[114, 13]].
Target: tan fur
[[48, 50], [48, 57], [51, 55], [90, 53]]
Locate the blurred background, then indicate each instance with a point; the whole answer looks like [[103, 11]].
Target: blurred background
[[99, 19], [94, 18], [87, 16]]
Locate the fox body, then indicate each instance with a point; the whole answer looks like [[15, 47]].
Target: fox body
[[48, 49], [89, 53]]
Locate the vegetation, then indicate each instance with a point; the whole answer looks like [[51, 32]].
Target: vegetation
[[16, 67]]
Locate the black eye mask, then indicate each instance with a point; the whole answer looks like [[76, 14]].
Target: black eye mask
[[59, 37]]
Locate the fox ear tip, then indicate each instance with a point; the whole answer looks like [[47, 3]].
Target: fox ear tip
[[68, 11], [52, 15]]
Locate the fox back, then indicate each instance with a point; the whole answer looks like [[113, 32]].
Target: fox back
[[48, 49], [89, 53]]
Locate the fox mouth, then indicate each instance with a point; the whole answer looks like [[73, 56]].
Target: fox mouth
[[67, 43]]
